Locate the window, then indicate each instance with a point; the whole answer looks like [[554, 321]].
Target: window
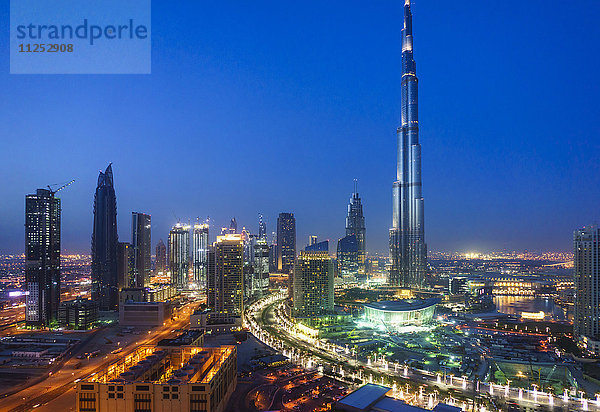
[[175, 389], [120, 388], [111, 395], [174, 396], [165, 396], [120, 395], [87, 387], [111, 388], [165, 389], [142, 388]]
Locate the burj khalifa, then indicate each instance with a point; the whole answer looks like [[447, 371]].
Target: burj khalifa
[[408, 251]]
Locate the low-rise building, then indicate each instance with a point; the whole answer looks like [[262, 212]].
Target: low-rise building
[[165, 378], [144, 313], [79, 314]]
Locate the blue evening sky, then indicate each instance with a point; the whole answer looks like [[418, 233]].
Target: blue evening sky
[[270, 106]]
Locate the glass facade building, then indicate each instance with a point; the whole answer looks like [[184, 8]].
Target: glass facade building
[[179, 255], [141, 242], [161, 257], [355, 226], [348, 257], [42, 258], [586, 322], [286, 242], [408, 251], [105, 284], [199, 254]]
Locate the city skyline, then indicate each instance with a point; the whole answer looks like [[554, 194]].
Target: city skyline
[[474, 156]]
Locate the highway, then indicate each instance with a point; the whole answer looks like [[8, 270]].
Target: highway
[[57, 392], [278, 332]]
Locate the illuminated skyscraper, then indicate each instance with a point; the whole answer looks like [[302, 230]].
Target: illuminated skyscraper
[[199, 254], [586, 323], [262, 228], [408, 251], [42, 258], [141, 243], [161, 257], [348, 257], [313, 285], [125, 272], [179, 255], [312, 239], [355, 225], [286, 242], [226, 278], [233, 226], [105, 283]]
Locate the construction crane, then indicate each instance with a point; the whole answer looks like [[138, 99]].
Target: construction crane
[[60, 188]]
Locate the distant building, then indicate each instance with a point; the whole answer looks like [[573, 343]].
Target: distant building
[[586, 243], [158, 294], [125, 273], [348, 258], [355, 225], [179, 255], [78, 314], [312, 239], [105, 288], [262, 228], [286, 242], [233, 226], [318, 246], [200, 254], [161, 257], [42, 258], [141, 242], [313, 285], [260, 279], [226, 278]]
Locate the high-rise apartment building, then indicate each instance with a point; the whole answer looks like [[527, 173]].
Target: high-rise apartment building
[[161, 257], [179, 255], [105, 288], [262, 228], [355, 226], [125, 268], [286, 242], [199, 254], [313, 285], [408, 251], [586, 324], [312, 239], [226, 278], [42, 258], [141, 243]]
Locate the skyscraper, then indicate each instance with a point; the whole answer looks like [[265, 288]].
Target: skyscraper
[[355, 225], [225, 277], [179, 255], [312, 239], [161, 257], [125, 272], [262, 228], [42, 258], [586, 325], [260, 279], [286, 242], [105, 289], [348, 257], [313, 285], [408, 251], [199, 254], [233, 226], [141, 243]]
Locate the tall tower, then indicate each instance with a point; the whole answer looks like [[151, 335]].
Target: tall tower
[[286, 242], [179, 255], [355, 225], [105, 282], [42, 258], [141, 243], [586, 325], [199, 254], [408, 251], [161, 257], [226, 277], [262, 228], [313, 285]]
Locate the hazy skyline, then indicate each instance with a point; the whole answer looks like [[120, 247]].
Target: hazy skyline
[[261, 108]]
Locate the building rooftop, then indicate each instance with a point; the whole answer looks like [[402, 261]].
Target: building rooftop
[[365, 396], [403, 305]]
